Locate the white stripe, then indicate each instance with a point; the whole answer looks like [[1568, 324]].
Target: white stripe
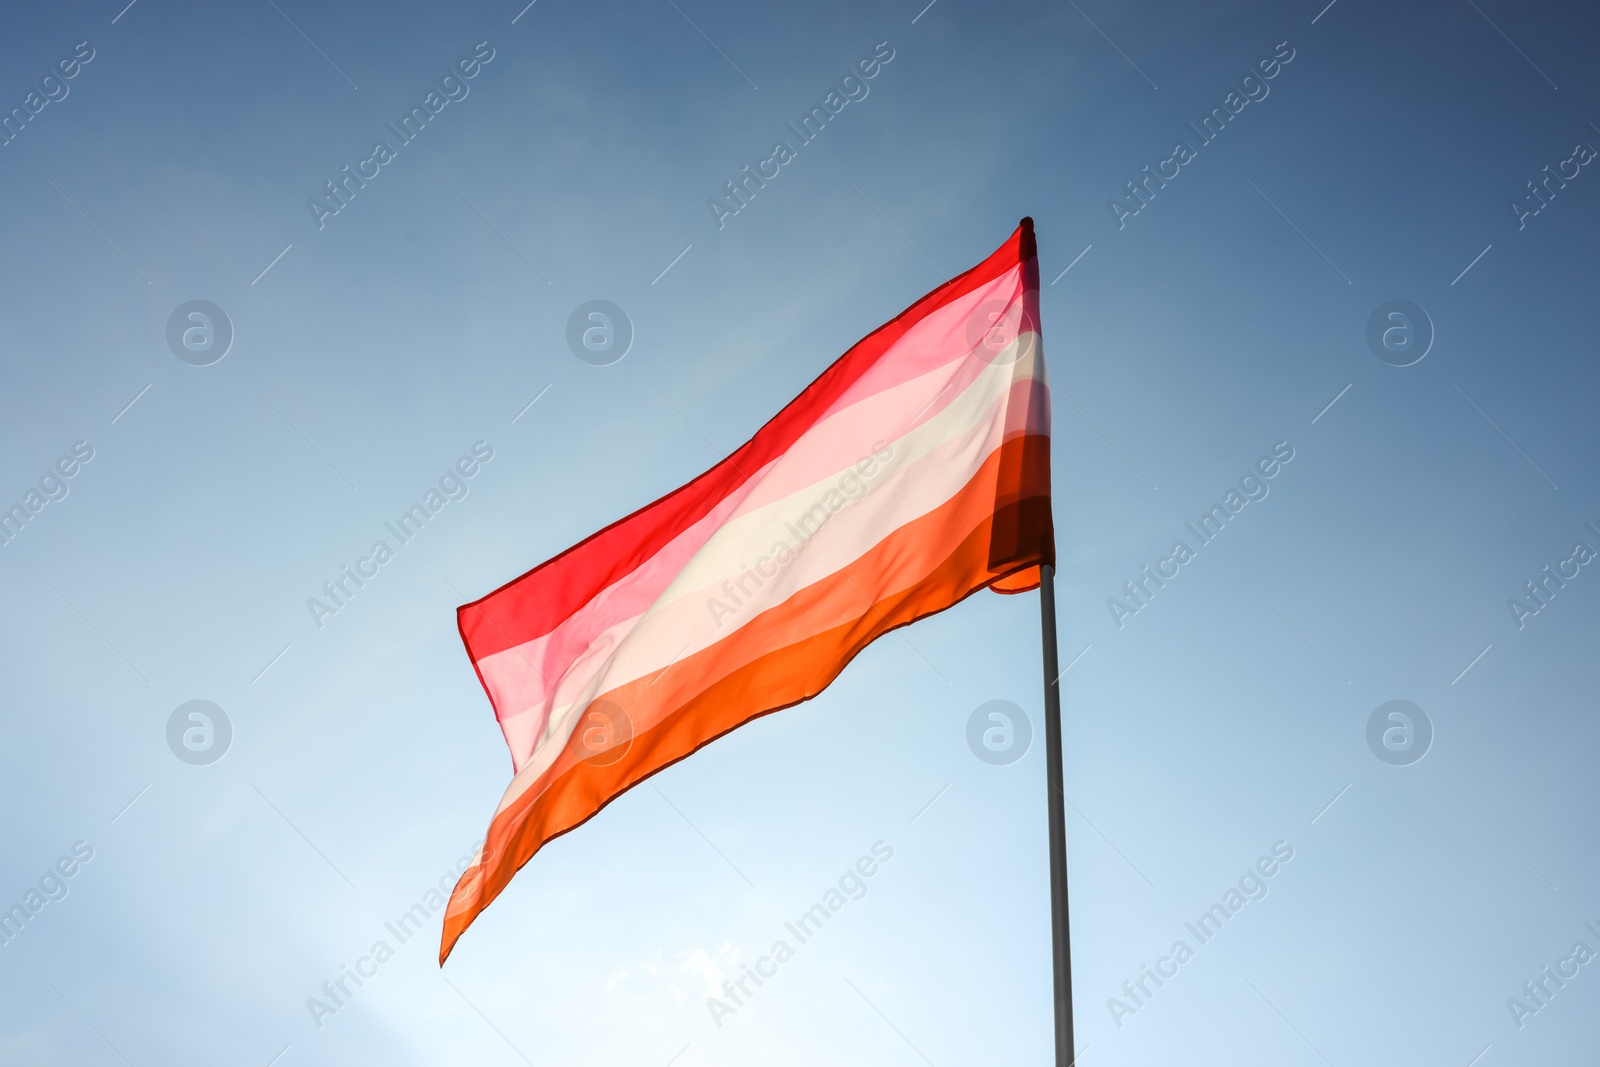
[[743, 538], [747, 528], [839, 440], [742, 526], [924, 470]]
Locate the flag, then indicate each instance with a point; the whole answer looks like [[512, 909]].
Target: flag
[[914, 472]]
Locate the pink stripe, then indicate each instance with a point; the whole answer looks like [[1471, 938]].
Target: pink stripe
[[819, 456], [901, 391], [682, 624]]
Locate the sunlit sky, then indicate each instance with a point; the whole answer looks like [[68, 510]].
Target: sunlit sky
[[1387, 158]]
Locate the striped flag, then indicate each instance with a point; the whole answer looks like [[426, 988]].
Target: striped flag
[[914, 472]]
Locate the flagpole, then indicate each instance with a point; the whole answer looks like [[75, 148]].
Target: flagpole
[[1061, 938]]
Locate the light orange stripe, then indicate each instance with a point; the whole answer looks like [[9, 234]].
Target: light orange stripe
[[997, 528], [682, 620], [897, 561]]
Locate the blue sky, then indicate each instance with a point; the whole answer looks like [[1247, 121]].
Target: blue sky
[[1226, 318]]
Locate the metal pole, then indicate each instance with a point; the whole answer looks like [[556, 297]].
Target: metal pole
[[1061, 938]]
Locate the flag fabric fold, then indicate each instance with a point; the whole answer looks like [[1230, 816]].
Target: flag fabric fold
[[914, 472]]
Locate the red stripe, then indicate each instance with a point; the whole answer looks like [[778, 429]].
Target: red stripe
[[770, 682], [532, 605]]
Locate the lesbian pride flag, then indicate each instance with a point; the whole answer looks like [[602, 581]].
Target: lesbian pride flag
[[914, 472]]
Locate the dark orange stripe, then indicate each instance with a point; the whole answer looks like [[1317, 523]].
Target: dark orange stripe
[[783, 677], [1011, 474]]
